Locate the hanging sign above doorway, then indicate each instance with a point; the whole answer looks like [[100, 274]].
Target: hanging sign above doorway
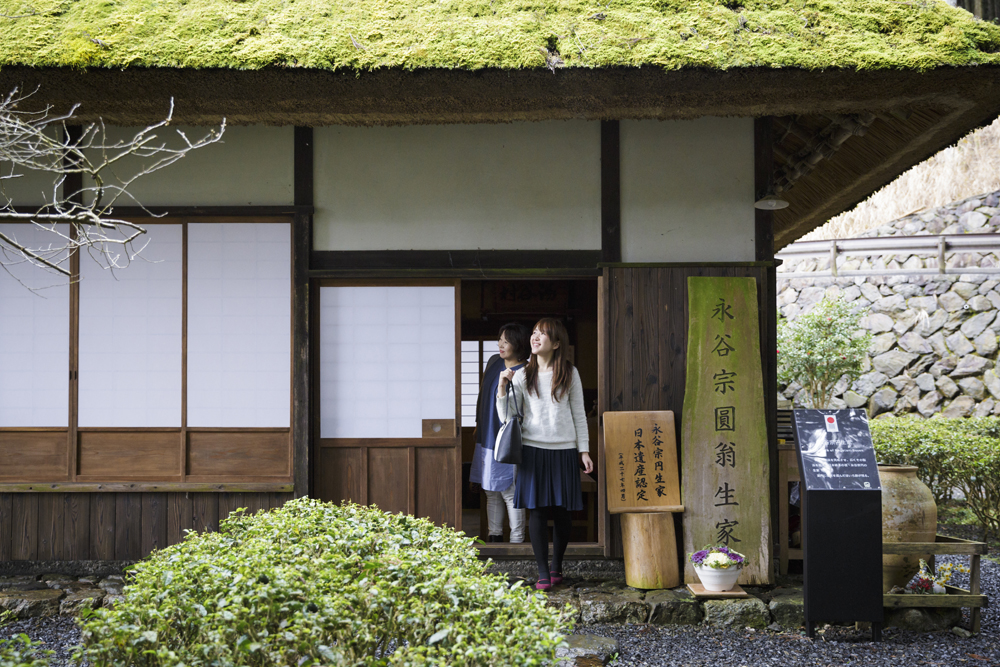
[[724, 436]]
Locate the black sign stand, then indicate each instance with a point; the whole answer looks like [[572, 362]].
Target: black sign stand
[[841, 519]]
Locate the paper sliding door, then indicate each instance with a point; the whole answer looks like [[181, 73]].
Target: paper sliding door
[[389, 418]]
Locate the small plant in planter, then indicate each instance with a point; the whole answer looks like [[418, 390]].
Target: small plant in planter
[[718, 567]]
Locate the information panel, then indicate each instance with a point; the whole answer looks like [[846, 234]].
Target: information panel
[[841, 519], [835, 449]]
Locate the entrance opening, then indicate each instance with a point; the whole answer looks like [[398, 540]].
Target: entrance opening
[[486, 306]]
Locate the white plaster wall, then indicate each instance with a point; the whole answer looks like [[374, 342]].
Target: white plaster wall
[[251, 166], [23, 187], [687, 190], [529, 186]]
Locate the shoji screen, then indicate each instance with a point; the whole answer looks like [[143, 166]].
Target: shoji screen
[[388, 360], [34, 337], [475, 355], [130, 337], [239, 309]]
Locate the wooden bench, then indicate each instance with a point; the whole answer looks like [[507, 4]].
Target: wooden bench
[[788, 471], [954, 597]]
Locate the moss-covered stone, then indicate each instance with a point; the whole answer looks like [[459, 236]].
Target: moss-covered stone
[[362, 35], [737, 614], [31, 604], [674, 607]]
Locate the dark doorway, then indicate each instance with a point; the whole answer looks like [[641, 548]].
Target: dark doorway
[[486, 306]]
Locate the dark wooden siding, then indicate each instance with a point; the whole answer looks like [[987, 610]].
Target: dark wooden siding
[[984, 9], [647, 343], [112, 526]]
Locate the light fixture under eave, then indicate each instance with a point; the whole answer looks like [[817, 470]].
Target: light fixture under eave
[[770, 202]]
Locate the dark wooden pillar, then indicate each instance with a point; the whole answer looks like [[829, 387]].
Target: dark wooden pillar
[[301, 247], [764, 252], [611, 192]]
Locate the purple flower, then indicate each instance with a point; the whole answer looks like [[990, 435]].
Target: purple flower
[[698, 556]]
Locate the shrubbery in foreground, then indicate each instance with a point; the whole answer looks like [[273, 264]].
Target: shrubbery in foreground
[[949, 454], [317, 584], [19, 651]]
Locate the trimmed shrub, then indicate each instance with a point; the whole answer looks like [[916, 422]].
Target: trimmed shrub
[[821, 347], [948, 454], [312, 583], [20, 651]]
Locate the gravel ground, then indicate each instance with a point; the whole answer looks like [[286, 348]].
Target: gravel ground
[[58, 633], [695, 646], [641, 645]]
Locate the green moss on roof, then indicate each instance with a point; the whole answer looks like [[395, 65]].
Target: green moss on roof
[[360, 35]]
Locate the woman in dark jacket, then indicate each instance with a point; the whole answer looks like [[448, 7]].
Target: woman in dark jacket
[[497, 479]]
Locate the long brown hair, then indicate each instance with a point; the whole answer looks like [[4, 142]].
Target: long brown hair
[[562, 369]]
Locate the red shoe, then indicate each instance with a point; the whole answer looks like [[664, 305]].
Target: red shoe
[[543, 585], [556, 578]]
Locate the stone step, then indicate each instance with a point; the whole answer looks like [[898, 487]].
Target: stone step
[[779, 608], [592, 602], [29, 596]]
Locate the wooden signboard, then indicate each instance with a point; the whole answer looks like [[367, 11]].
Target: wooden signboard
[[724, 438], [641, 453]]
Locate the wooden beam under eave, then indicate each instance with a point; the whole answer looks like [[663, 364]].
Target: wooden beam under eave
[[865, 164]]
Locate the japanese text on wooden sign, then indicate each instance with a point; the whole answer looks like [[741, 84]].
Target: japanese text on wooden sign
[[724, 439], [642, 450]]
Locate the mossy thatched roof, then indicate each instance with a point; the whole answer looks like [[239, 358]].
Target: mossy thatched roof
[[365, 35]]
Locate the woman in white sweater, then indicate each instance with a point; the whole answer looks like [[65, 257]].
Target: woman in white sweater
[[555, 443]]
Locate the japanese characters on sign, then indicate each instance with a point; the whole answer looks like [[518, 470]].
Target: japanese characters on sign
[[621, 476], [643, 446], [724, 382]]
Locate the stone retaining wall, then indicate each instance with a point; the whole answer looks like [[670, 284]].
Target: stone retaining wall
[[935, 337]]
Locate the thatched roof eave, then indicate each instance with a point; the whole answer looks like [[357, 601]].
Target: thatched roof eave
[[278, 96], [938, 106]]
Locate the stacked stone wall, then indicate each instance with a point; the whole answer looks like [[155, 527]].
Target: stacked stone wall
[[934, 337]]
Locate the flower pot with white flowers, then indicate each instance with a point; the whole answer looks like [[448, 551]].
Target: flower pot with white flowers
[[718, 568]]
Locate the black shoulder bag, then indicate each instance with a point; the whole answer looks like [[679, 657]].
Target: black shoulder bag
[[508, 444]]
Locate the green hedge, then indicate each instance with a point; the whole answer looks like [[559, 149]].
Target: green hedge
[[949, 454], [317, 584], [20, 651]]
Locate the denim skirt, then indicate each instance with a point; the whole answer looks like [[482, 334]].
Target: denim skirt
[[548, 477]]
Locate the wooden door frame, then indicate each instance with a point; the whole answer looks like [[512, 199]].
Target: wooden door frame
[[585, 550], [321, 278]]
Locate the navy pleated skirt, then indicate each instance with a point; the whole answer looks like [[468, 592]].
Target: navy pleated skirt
[[548, 477]]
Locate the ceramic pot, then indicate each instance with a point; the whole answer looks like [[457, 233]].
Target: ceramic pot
[[718, 580], [909, 514]]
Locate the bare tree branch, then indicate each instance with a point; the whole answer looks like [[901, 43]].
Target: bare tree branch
[[38, 142]]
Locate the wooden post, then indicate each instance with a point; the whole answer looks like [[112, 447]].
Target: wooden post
[[974, 590], [650, 550]]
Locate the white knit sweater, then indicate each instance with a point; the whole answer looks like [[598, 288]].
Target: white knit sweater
[[548, 424]]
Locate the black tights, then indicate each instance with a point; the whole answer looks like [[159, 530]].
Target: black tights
[[538, 528]]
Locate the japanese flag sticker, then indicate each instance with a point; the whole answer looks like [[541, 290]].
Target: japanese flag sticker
[[831, 424]]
